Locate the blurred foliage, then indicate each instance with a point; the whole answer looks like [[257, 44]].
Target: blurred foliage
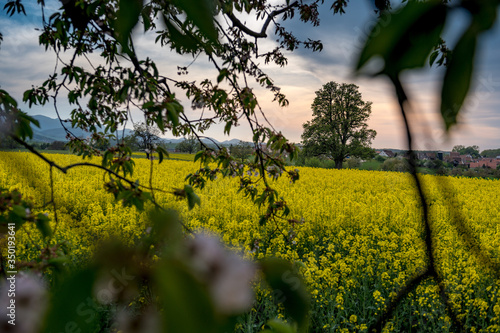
[[412, 37]]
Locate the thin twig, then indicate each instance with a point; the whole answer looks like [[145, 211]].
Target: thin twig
[[151, 177], [54, 206]]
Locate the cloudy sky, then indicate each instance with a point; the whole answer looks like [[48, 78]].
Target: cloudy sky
[[23, 63]]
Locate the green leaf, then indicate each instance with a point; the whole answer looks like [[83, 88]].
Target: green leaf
[[138, 203], [23, 128], [58, 263], [7, 100], [406, 40], [12, 6], [146, 196], [201, 12], [26, 96], [227, 127], [43, 225], [106, 159], [126, 19], [456, 82], [161, 153], [124, 195], [279, 326], [166, 229], [172, 114], [19, 210], [288, 289], [145, 17], [198, 155], [14, 218], [148, 105], [128, 168], [192, 198], [181, 42], [71, 304], [222, 74], [484, 13], [159, 122], [186, 305], [433, 57]]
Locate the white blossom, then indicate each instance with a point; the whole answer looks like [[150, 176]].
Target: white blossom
[[227, 275], [30, 303], [128, 322]]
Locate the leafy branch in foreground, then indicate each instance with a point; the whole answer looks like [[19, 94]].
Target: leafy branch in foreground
[[406, 43], [104, 93]]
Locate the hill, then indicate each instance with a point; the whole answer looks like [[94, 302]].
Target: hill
[[52, 130]]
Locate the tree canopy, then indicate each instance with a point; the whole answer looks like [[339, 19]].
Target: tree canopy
[[338, 128], [491, 152], [241, 151], [189, 145], [147, 137], [470, 150]]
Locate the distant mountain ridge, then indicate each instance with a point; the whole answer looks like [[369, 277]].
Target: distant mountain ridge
[[51, 130]]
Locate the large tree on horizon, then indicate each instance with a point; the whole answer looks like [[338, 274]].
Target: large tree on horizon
[[338, 128], [147, 137]]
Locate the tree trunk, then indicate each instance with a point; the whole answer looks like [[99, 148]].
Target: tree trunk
[[338, 163]]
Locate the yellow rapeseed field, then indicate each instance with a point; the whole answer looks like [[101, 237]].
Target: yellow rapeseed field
[[360, 241]]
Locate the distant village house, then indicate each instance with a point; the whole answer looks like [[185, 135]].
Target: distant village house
[[486, 163], [385, 153]]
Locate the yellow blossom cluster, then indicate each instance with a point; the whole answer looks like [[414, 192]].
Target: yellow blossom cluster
[[357, 237]]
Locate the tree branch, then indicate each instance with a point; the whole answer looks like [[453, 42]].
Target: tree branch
[[262, 33], [408, 288], [431, 269]]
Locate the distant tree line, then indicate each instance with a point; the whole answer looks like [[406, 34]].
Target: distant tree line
[[471, 150], [491, 153]]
